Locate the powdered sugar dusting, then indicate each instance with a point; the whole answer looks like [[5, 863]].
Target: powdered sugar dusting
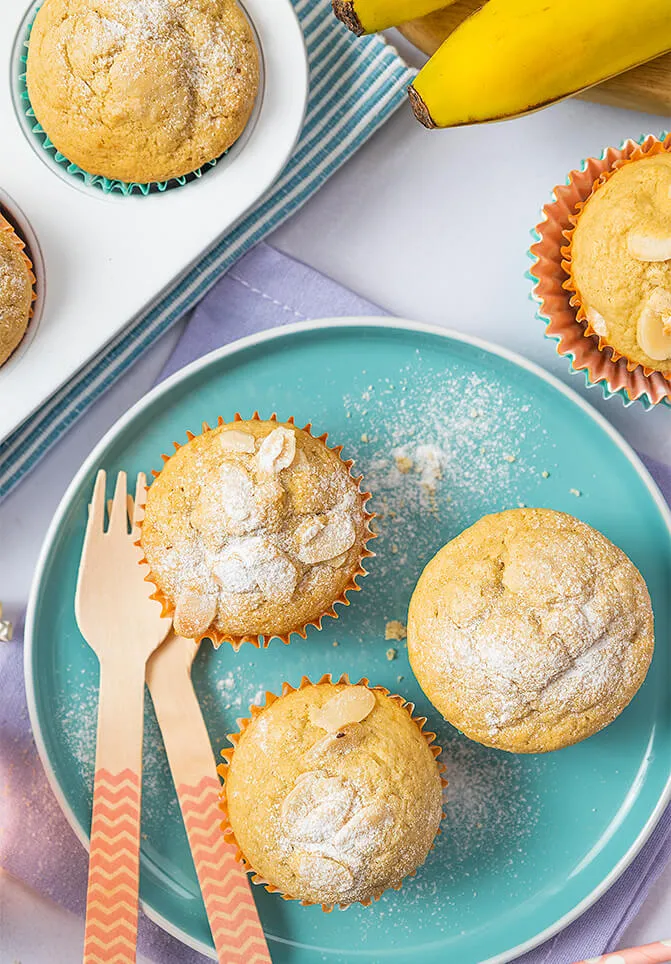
[[540, 619], [437, 457], [330, 832], [492, 809], [436, 444], [207, 51], [490, 796], [257, 521], [224, 695]]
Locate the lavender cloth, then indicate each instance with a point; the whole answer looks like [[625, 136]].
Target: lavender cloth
[[265, 289]]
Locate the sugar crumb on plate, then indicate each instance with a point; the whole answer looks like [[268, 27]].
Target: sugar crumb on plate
[[395, 629]]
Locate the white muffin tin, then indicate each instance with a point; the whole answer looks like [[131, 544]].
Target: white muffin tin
[[103, 259]]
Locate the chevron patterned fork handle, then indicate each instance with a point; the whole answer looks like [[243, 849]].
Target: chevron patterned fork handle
[[657, 953], [234, 921], [111, 900], [236, 931]]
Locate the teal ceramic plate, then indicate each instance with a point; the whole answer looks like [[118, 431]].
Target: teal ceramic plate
[[528, 842]]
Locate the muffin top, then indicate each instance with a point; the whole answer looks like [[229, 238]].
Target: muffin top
[[16, 292], [333, 793], [530, 631], [142, 90], [253, 529], [621, 254]]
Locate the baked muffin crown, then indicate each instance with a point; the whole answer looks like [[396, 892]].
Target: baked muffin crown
[[530, 630], [333, 793], [17, 291], [142, 90], [619, 262], [254, 529]]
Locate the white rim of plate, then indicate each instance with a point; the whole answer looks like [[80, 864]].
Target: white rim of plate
[[212, 358]]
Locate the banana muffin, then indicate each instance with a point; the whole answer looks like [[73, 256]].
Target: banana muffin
[[619, 262], [530, 631], [332, 793], [254, 529], [17, 291], [142, 90]]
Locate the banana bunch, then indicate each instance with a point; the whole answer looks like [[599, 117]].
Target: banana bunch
[[512, 57]]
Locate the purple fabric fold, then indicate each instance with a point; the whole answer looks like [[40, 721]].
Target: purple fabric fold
[[265, 289]]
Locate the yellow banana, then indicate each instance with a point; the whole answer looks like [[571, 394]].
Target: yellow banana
[[369, 16], [512, 57]]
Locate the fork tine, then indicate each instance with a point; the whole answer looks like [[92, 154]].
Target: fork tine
[[137, 515], [119, 514], [96, 520]]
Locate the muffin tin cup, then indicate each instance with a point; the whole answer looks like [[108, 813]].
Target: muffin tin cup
[[9, 232], [262, 641], [554, 291], [106, 185], [255, 710]]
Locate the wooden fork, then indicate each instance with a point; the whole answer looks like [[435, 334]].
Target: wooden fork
[[234, 921], [123, 626]]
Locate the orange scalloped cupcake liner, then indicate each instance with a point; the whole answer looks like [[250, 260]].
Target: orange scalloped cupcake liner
[[556, 293], [11, 233], [262, 641], [255, 710]]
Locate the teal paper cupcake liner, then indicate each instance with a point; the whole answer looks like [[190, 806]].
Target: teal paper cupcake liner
[[552, 299], [104, 184]]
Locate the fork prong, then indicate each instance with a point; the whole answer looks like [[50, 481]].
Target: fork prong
[[96, 520], [137, 515], [130, 506], [119, 514]]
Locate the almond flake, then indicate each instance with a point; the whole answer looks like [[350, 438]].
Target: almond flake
[[233, 440], [337, 561], [654, 325], [367, 823], [345, 739], [649, 247], [320, 540], [350, 705], [248, 563], [226, 504], [194, 613], [317, 807], [277, 451], [597, 322]]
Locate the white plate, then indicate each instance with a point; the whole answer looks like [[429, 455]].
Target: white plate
[[107, 258]]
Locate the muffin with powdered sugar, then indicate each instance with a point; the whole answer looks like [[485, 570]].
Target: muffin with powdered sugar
[[332, 792], [530, 630], [254, 529], [17, 290], [142, 91]]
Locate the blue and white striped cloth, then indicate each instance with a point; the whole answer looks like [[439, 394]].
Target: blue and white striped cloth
[[355, 84]]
